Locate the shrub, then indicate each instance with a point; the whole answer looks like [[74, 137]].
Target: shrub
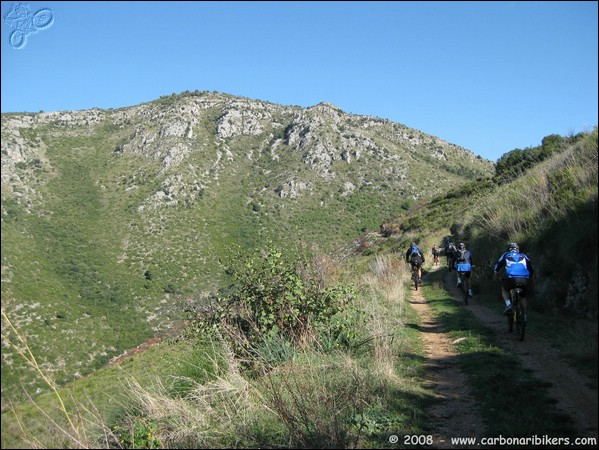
[[141, 433], [276, 300]]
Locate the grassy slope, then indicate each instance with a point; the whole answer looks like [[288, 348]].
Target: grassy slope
[[91, 274], [378, 383]]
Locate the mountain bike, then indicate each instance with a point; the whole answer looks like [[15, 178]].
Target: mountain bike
[[415, 277], [517, 315], [450, 261], [464, 270], [464, 286]]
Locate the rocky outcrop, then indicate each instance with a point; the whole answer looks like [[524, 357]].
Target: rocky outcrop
[[292, 189], [199, 135]]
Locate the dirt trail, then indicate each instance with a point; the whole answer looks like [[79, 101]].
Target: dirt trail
[[457, 413], [568, 387]]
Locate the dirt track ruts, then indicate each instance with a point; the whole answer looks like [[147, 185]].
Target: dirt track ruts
[[457, 412]]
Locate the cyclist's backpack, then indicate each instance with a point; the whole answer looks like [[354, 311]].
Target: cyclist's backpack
[[416, 257], [460, 255], [450, 250], [462, 264]]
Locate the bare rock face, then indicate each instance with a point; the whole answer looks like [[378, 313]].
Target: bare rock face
[[20, 156], [197, 137], [293, 189], [234, 123]]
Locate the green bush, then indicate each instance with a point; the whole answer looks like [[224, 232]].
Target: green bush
[[141, 433], [276, 302]]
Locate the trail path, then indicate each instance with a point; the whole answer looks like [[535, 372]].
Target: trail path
[[457, 412]]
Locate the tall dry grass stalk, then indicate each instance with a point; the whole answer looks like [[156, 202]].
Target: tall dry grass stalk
[[315, 400], [68, 426], [211, 414], [384, 308]]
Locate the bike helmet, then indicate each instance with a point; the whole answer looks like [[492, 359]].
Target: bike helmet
[[462, 246], [513, 246]]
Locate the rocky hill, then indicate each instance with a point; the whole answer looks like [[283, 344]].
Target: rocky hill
[[174, 130], [111, 219]]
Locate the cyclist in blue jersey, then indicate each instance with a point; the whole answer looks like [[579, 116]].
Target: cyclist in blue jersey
[[517, 270]]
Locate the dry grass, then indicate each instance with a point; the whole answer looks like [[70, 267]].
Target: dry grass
[[315, 401], [200, 420], [69, 424], [385, 283], [517, 209]]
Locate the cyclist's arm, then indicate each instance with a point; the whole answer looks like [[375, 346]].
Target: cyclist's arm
[[499, 264], [529, 265]]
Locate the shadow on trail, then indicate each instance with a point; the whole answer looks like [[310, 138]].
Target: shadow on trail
[[512, 397]]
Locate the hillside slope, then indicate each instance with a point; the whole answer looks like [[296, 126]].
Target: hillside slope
[[112, 219]]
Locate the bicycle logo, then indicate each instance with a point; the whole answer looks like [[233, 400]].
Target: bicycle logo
[[25, 23]]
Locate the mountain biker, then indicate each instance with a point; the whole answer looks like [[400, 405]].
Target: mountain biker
[[415, 257], [450, 249], [436, 251], [463, 266], [518, 270]]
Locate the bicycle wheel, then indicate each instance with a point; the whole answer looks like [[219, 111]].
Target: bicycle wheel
[[520, 322], [415, 277], [17, 39], [43, 19]]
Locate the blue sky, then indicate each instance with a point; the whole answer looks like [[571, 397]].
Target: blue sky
[[489, 76]]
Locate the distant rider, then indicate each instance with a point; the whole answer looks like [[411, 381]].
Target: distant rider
[[450, 249], [436, 251], [415, 257], [518, 270]]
